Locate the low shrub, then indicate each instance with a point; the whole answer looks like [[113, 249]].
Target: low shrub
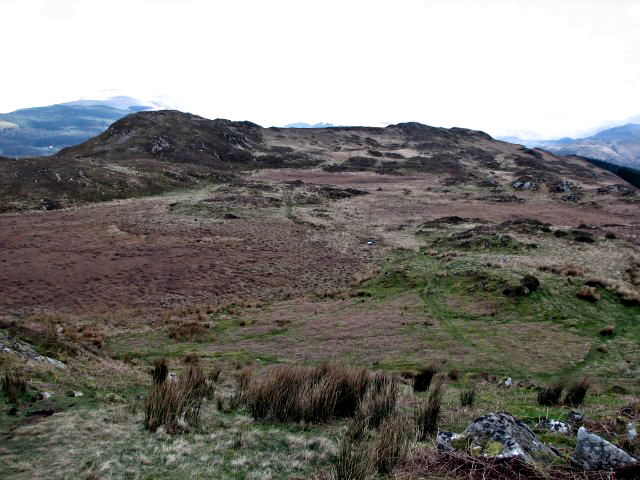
[[423, 378], [429, 411], [175, 405], [468, 396], [13, 386], [550, 395], [577, 393]]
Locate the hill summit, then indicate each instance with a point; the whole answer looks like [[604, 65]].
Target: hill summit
[[155, 151]]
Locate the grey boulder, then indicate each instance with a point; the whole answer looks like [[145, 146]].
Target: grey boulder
[[595, 453], [497, 435]]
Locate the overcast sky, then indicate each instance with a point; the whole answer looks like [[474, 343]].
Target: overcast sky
[[552, 67]]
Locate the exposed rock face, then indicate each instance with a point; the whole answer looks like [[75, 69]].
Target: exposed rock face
[[595, 453], [497, 435], [26, 351]]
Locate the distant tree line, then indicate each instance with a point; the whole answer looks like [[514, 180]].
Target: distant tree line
[[629, 174]]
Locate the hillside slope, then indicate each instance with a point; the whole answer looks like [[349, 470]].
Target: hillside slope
[[153, 152]]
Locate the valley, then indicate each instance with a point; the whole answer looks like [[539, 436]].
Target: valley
[[255, 249]]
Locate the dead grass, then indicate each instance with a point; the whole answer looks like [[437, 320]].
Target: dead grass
[[191, 330], [430, 463], [628, 296], [588, 293], [568, 270]]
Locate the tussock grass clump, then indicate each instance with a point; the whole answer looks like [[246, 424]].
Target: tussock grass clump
[[160, 370], [354, 460], [551, 394], [380, 400], [588, 293], [468, 396], [175, 405], [607, 331], [14, 386], [577, 393], [87, 334], [392, 442], [429, 410], [188, 331], [214, 374], [312, 394], [564, 270], [423, 378]]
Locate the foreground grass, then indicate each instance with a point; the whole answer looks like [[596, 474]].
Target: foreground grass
[[109, 442]]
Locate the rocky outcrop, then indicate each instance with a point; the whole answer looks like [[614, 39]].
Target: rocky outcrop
[[26, 351], [595, 453], [497, 435]]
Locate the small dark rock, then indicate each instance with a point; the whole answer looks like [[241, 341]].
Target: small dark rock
[[530, 282], [576, 417], [583, 237]]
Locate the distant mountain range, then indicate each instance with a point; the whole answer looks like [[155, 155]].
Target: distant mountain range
[[39, 131], [619, 145]]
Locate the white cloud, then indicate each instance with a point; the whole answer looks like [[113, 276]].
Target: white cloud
[[553, 67]]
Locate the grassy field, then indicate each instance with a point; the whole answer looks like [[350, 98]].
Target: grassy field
[[442, 303]]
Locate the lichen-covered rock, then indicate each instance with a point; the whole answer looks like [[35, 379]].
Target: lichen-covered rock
[[497, 435], [595, 453], [449, 441], [516, 439], [26, 351]]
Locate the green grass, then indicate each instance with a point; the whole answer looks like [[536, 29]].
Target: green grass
[[451, 300]]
